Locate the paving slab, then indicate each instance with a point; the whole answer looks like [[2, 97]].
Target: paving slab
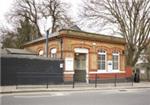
[[78, 87]]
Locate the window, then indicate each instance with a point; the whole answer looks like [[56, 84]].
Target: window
[[53, 53], [41, 53], [102, 60], [115, 60]]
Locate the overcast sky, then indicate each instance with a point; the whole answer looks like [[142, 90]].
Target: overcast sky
[[5, 6]]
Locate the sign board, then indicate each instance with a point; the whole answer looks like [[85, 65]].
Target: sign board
[[109, 63], [61, 65], [69, 64], [142, 71]]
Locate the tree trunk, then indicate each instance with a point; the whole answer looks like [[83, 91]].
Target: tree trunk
[[53, 25]]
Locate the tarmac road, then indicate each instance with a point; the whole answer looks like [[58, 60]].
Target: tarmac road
[[96, 97]]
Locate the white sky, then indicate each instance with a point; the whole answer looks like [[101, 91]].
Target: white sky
[[5, 6]]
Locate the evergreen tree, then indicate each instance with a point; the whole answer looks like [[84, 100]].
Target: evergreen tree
[[25, 32]]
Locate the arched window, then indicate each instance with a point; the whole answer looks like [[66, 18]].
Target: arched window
[[115, 60], [53, 53], [102, 60], [41, 52]]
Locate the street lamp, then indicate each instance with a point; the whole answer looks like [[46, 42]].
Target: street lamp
[[46, 46], [46, 28]]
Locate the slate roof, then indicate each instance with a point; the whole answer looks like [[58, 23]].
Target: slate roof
[[16, 51], [21, 53], [75, 27], [92, 36], [82, 35]]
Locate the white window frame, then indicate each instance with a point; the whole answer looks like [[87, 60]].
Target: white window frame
[[103, 53], [81, 50], [116, 53], [41, 52], [53, 51]]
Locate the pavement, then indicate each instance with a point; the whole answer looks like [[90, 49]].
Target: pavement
[[78, 87], [93, 97]]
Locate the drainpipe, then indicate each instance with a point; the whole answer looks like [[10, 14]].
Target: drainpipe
[[46, 46]]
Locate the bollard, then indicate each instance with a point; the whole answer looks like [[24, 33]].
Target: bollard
[[115, 80], [73, 83], [132, 79], [16, 83], [47, 83], [95, 80]]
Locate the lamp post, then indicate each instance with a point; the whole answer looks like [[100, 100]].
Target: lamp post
[[61, 42], [46, 46]]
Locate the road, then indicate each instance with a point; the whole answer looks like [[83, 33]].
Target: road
[[96, 97]]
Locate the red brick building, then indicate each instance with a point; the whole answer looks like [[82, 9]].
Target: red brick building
[[84, 53]]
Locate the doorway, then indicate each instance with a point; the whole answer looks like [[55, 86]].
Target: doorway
[[80, 67]]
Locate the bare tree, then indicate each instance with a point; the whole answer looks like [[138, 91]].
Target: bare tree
[[57, 10], [132, 18], [147, 53], [26, 9]]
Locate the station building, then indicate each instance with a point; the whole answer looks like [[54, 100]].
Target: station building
[[84, 54]]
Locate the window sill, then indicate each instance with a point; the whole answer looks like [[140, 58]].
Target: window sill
[[69, 72], [112, 71]]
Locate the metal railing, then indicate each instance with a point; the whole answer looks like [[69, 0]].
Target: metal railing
[[47, 79], [24, 79], [115, 79]]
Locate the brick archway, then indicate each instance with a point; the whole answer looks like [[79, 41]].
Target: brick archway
[[38, 50], [117, 49], [52, 46], [107, 49], [73, 46]]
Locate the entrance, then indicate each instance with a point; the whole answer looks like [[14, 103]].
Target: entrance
[[80, 67]]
